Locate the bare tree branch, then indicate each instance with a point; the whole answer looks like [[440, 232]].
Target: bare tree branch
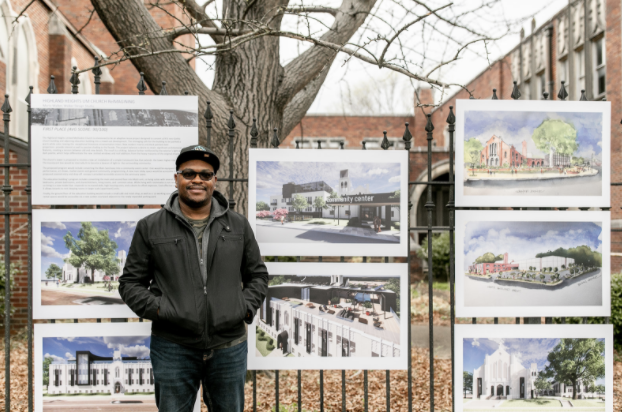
[[311, 9], [198, 13], [91, 12], [21, 13], [300, 71]]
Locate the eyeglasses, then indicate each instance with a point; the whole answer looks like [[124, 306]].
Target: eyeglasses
[[190, 174]]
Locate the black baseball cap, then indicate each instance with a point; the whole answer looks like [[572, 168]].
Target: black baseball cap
[[198, 152]]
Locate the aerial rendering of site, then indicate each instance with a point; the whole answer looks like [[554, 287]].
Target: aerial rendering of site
[[533, 263]]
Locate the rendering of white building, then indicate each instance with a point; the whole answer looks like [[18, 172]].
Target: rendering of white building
[[72, 274], [558, 262], [303, 322], [554, 159], [89, 373], [503, 376], [360, 202]]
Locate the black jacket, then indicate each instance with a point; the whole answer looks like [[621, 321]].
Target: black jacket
[[163, 271]]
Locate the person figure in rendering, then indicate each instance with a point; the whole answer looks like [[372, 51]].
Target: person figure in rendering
[[377, 223], [194, 269], [282, 219]]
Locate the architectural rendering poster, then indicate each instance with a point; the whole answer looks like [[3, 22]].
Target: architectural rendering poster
[[329, 202], [532, 263], [526, 368], [332, 316], [94, 366], [532, 153], [106, 149], [78, 256]]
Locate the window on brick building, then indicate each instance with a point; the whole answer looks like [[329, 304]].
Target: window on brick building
[[599, 67], [579, 70]]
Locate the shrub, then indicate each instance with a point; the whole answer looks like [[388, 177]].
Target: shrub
[[262, 337], [270, 341], [270, 346], [13, 271], [355, 221], [335, 300]]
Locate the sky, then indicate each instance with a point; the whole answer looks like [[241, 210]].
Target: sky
[[528, 351], [381, 177], [64, 349], [516, 127], [53, 248], [346, 75], [523, 240]]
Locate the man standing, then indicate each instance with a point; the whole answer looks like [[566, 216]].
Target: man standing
[[195, 270]]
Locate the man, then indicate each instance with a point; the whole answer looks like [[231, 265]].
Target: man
[[195, 270]]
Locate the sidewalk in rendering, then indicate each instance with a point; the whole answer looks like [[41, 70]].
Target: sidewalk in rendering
[[391, 235]]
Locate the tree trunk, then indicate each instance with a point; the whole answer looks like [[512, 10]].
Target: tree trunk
[[574, 390]]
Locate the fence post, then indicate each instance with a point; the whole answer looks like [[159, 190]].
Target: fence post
[[451, 120], [7, 189], [28, 194]]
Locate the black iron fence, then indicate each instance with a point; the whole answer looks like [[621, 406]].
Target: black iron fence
[[7, 188]]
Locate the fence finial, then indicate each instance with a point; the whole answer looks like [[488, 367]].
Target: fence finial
[[163, 91], [451, 118], [231, 122], [429, 127], [545, 95], [275, 139], [341, 144], [364, 143], [74, 80], [254, 133], [27, 99], [52, 86], [97, 75], [583, 96], [407, 137], [515, 92], [494, 94], [563, 94], [186, 93], [141, 86], [319, 144], [385, 142], [6, 106]]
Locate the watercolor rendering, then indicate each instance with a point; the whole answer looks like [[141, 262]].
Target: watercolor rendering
[[527, 373], [81, 261], [306, 207], [532, 153], [548, 263]]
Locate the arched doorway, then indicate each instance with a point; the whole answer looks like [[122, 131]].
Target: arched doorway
[[117, 387], [499, 390]]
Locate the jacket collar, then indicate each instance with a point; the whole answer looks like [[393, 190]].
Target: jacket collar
[[220, 206]]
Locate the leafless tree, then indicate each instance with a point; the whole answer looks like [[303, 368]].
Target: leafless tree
[[414, 38]]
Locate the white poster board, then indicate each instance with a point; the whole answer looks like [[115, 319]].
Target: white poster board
[[508, 359], [533, 263], [108, 149], [332, 316], [533, 153], [60, 342], [63, 291], [333, 202]]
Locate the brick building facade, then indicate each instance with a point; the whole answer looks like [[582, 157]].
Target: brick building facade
[[581, 45]]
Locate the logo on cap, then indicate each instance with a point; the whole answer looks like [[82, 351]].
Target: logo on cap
[[199, 148]]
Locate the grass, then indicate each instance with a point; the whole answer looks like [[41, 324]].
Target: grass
[[139, 393], [96, 287], [262, 347], [587, 403], [531, 403]]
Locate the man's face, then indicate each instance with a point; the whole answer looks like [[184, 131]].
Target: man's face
[[195, 192]]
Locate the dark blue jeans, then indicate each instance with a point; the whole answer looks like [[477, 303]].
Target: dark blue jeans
[[179, 371]]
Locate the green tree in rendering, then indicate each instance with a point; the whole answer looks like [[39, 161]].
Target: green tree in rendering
[[259, 206], [54, 272], [488, 258], [300, 202], [542, 277], [92, 249], [575, 360], [319, 203], [472, 149], [556, 134], [542, 384], [467, 382], [394, 285], [46, 370], [276, 280]]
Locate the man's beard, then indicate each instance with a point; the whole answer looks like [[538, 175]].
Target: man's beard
[[195, 204]]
